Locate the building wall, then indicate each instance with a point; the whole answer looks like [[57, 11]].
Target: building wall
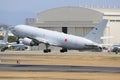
[[113, 26]]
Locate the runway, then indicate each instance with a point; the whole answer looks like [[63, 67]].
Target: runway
[[55, 54], [57, 68]]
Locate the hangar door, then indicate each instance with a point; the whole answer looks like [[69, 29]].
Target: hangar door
[[64, 30]]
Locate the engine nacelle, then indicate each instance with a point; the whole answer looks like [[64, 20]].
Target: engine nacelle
[[29, 42]]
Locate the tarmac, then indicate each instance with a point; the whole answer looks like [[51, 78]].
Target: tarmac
[[53, 68], [57, 68]]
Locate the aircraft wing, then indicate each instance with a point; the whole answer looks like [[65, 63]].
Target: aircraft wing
[[13, 44], [45, 41]]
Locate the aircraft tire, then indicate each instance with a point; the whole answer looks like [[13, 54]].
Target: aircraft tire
[[3, 49], [49, 50], [63, 50], [116, 52], [46, 50]]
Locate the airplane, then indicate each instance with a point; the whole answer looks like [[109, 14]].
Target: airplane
[[33, 36], [4, 43]]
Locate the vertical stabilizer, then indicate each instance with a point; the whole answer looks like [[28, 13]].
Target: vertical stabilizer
[[97, 31], [5, 39]]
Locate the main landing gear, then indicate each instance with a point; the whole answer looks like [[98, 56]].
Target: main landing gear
[[63, 50], [47, 50]]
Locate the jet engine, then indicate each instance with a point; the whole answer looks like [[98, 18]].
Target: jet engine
[[29, 42]]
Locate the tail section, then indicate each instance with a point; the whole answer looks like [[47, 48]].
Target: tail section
[[97, 31], [5, 39]]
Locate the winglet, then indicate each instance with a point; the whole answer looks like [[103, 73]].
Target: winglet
[[97, 31]]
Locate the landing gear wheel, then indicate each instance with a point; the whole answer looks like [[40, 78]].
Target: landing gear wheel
[[46, 50], [63, 50], [116, 52], [3, 49], [49, 50]]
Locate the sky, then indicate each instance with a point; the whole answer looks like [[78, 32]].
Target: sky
[[13, 12]]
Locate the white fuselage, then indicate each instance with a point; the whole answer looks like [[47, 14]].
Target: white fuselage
[[62, 40]]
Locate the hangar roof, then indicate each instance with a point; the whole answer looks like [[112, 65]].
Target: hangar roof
[[69, 14], [108, 11]]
